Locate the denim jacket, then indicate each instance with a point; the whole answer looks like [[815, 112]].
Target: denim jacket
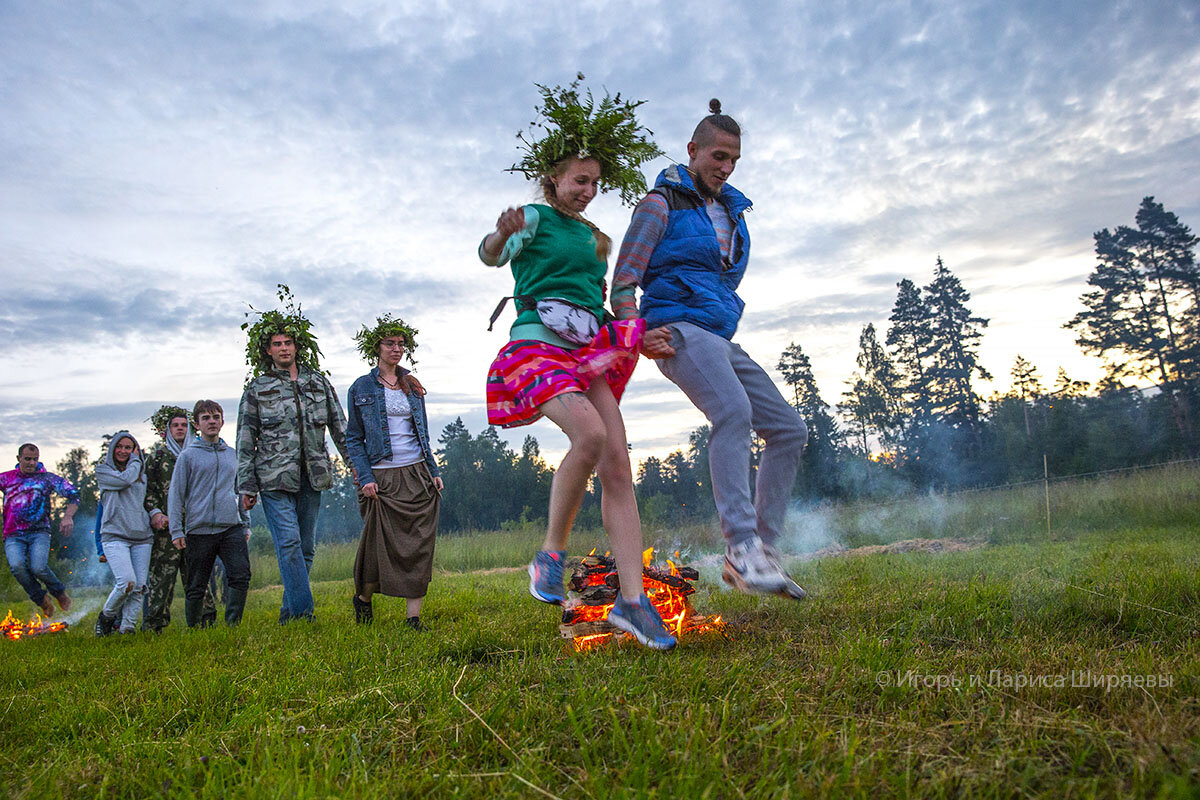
[[367, 436]]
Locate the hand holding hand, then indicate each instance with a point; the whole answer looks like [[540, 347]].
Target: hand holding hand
[[159, 521], [371, 489], [66, 525], [179, 543], [657, 343], [249, 501]]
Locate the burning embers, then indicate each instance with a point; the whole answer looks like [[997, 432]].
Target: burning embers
[[594, 585], [15, 629]]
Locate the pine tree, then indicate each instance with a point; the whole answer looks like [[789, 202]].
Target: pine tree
[[955, 336], [911, 339], [819, 467]]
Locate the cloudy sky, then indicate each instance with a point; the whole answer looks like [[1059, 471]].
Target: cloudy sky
[[162, 165]]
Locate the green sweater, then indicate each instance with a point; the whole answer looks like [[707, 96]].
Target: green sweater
[[559, 261]]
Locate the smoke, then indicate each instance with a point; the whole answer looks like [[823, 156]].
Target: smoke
[[81, 609], [808, 528]]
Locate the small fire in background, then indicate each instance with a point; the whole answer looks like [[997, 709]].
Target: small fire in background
[[594, 585], [15, 629]]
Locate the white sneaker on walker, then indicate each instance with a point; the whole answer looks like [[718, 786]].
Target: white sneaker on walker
[[748, 569]]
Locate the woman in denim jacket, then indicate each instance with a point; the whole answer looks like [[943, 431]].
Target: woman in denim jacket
[[399, 487]]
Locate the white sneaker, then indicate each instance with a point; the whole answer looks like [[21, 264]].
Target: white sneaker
[[748, 569], [791, 589]]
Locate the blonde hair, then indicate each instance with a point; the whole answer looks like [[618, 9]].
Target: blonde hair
[[603, 242]]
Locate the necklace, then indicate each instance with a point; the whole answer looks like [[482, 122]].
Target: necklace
[[389, 384]]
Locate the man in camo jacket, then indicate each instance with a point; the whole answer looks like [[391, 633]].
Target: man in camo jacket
[[282, 420], [166, 562]]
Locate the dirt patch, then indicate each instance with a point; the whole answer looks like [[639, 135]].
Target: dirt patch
[[903, 546]]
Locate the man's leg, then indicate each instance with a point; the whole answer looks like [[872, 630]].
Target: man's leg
[[200, 553], [236, 557], [701, 368], [308, 507], [16, 550], [283, 521], [784, 431], [39, 565], [160, 587]]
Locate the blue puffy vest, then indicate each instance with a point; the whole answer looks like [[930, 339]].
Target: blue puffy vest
[[687, 280]]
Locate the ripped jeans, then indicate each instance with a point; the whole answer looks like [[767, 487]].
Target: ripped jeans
[[130, 564]]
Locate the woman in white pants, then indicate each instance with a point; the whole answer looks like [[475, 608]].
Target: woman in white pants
[[124, 532]]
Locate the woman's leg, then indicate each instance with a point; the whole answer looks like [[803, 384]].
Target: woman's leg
[[139, 557], [124, 577], [413, 606], [584, 427], [618, 505]]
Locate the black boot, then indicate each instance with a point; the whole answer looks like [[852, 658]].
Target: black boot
[[104, 624], [363, 614], [193, 611], [235, 604], [416, 624]]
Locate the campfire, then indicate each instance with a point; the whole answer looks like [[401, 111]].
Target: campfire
[[15, 629], [594, 585]]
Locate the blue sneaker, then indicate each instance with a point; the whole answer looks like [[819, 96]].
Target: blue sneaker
[[641, 620], [546, 576]]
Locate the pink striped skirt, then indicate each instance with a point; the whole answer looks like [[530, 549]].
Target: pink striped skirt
[[527, 373]]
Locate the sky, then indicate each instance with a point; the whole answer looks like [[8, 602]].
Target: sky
[[164, 165]]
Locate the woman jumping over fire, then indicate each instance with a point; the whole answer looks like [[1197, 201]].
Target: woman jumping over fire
[[563, 360]]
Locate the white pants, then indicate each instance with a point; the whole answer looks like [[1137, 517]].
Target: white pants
[[130, 564]]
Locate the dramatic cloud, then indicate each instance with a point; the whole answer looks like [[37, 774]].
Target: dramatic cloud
[[163, 167]]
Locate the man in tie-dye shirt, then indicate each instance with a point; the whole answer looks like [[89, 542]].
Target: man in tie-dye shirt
[[27, 493]]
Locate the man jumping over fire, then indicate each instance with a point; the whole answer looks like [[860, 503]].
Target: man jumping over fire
[[27, 492], [687, 247]]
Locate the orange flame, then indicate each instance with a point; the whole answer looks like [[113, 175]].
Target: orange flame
[[15, 629]]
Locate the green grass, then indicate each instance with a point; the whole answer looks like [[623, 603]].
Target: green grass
[[788, 704]]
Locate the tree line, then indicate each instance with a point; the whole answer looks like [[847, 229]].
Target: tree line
[[909, 417]]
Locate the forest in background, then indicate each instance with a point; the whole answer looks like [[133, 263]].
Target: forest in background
[[908, 419]]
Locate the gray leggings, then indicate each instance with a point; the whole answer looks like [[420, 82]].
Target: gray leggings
[[737, 396]]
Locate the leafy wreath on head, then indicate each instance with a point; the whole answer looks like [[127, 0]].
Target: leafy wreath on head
[[576, 125], [387, 326], [160, 420], [290, 321]]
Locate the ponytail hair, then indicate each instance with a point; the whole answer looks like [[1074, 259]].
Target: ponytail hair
[[715, 120]]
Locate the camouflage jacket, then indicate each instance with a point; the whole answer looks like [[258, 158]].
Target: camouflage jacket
[[281, 427], [160, 463]]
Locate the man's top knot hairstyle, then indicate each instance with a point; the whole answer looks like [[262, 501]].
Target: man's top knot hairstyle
[[715, 121]]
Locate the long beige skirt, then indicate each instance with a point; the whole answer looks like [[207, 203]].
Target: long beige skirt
[[395, 554]]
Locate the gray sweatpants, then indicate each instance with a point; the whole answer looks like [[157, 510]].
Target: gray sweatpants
[[737, 396]]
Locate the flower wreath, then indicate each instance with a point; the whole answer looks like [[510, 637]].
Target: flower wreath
[[290, 321], [387, 326], [576, 124]]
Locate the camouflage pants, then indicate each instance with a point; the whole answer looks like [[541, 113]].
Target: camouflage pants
[[165, 564]]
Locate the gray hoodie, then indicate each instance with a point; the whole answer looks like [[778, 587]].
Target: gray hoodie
[[123, 496], [203, 499]]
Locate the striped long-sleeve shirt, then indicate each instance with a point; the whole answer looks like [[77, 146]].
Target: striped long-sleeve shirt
[[646, 230]]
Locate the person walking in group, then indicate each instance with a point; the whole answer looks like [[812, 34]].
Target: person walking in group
[[125, 532], [207, 519], [399, 493]]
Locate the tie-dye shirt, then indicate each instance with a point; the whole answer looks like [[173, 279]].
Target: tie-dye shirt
[[27, 499]]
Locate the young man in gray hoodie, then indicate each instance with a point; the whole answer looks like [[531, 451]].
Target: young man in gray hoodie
[[206, 516]]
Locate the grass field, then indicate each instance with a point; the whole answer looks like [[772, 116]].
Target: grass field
[[910, 674]]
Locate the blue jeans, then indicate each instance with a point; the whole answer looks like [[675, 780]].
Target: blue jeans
[[292, 520], [28, 557]]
